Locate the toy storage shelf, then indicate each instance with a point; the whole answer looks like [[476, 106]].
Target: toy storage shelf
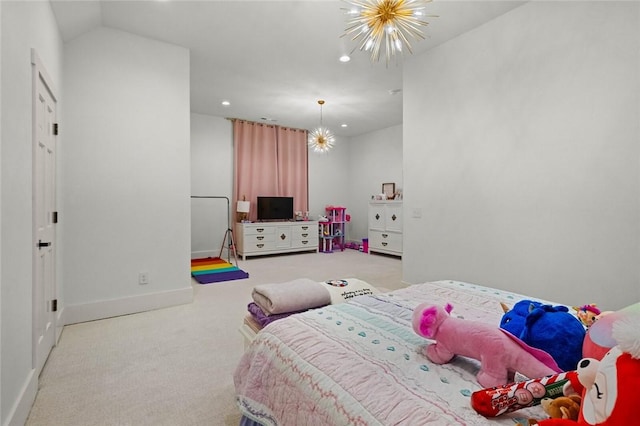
[[331, 233]]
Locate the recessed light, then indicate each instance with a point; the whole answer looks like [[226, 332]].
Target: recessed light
[[268, 119], [345, 58], [226, 103], [344, 125], [394, 91]]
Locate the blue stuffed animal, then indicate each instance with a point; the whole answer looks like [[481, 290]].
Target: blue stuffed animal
[[549, 328]]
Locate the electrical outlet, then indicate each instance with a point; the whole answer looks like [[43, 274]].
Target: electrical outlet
[[143, 278]]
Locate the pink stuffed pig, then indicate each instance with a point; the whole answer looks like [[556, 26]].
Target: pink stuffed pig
[[498, 351]]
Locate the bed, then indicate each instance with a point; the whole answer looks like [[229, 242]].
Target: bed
[[360, 363]]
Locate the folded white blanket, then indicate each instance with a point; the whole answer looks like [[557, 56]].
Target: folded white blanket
[[291, 296]]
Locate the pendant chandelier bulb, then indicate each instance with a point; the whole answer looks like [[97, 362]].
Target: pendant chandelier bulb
[[321, 139]]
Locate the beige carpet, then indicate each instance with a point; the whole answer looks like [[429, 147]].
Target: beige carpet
[[174, 366]]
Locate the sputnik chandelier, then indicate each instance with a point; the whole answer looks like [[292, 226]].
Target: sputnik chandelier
[[393, 22], [321, 139]]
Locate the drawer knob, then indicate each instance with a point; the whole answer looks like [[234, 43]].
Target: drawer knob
[[394, 217], [384, 243], [283, 237], [260, 238], [377, 216], [259, 229], [385, 235], [305, 235], [259, 245]]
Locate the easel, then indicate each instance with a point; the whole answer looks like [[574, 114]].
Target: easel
[[228, 234]]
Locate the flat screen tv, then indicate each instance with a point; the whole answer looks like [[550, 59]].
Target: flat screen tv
[[275, 208]]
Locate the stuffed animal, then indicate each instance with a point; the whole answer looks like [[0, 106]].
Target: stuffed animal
[[562, 407], [587, 314], [549, 328], [599, 340], [499, 352], [514, 318], [610, 385]]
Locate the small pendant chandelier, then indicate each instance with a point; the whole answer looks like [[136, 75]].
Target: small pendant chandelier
[[321, 139]]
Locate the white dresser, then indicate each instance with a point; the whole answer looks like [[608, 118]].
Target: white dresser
[[260, 238], [385, 227]]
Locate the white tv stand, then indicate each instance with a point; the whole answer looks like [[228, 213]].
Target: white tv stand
[[261, 238]]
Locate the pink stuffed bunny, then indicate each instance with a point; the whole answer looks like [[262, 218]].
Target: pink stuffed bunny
[[498, 351]]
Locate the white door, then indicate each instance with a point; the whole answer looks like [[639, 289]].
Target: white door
[[44, 208]]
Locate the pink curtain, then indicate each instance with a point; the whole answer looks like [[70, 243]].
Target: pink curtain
[[255, 151], [269, 161], [293, 167]]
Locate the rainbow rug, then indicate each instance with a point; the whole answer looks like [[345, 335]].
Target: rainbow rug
[[214, 269]]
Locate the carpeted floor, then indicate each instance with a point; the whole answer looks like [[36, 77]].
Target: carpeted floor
[[174, 366]]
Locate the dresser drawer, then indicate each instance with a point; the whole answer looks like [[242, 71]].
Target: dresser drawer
[[259, 246], [260, 238], [311, 241], [259, 230], [385, 241], [308, 234]]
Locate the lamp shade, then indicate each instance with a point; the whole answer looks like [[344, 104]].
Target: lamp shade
[[243, 207]]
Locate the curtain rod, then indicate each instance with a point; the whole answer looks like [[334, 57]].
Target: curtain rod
[[265, 124]]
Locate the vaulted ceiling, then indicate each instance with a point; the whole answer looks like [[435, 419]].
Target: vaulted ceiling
[[272, 60]]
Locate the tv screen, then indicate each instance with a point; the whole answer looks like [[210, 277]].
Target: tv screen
[[275, 208]]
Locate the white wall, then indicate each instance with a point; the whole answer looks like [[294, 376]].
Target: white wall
[[211, 175], [521, 149], [328, 178], [1, 417], [125, 175], [374, 158], [24, 25]]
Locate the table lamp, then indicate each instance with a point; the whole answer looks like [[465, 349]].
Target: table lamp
[[243, 210]]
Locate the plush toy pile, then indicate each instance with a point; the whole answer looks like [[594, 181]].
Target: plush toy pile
[[609, 386], [601, 366]]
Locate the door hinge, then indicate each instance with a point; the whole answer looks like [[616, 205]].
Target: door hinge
[[41, 244], [55, 128], [54, 305], [54, 217]]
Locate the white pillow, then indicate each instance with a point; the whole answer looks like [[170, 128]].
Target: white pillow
[[344, 289]]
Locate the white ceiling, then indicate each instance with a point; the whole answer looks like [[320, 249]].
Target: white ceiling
[[275, 59]]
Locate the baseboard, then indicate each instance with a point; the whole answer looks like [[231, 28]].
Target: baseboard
[[59, 323], [205, 253], [127, 305], [21, 409]]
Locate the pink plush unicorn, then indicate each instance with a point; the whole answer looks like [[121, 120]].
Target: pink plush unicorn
[[499, 352]]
